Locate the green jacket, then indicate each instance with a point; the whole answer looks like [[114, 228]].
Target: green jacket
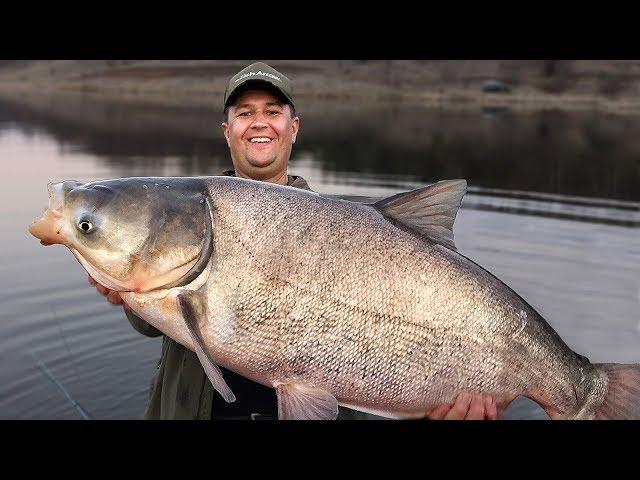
[[181, 389]]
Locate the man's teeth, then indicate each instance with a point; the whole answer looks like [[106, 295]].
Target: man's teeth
[[260, 140]]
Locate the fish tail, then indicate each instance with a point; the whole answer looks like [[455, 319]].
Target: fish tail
[[622, 398]]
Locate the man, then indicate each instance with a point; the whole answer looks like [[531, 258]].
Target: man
[[260, 129]]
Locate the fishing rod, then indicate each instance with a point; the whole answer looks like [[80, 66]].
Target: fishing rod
[[43, 367]]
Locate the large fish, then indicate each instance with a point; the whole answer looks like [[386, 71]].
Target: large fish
[[330, 302]]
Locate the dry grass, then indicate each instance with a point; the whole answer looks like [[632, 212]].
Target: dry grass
[[612, 86]]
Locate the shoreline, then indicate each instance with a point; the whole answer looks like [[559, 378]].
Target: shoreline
[[204, 96]]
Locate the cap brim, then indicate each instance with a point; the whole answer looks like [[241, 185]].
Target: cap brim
[[260, 85]]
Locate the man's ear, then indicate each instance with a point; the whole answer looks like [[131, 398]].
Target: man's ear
[[224, 126], [295, 125]]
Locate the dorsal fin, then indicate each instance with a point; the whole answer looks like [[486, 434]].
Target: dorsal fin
[[429, 211]]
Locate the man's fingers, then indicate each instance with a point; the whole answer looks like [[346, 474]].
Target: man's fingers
[[102, 289], [114, 297], [439, 412], [476, 408], [466, 407], [491, 410], [460, 408]]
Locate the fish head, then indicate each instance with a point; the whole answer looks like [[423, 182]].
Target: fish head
[[129, 234]]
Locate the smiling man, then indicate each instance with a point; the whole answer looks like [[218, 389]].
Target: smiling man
[[260, 128], [261, 125]]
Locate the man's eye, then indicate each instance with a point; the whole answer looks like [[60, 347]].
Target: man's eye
[[244, 114], [273, 112]]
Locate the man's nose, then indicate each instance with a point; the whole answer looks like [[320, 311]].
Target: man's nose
[[260, 121]]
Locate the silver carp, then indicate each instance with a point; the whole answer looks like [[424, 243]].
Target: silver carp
[[329, 302]]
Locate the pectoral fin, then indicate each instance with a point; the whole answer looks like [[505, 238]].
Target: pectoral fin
[[194, 313], [297, 401]]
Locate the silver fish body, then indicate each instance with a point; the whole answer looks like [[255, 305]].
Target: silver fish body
[[346, 300], [330, 293]]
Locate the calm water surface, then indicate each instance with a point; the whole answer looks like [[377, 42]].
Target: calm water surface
[[552, 210]]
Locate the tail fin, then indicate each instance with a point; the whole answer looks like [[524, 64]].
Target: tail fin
[[622, 400]]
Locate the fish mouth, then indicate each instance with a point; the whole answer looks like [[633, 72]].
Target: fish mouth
[[48, 228]]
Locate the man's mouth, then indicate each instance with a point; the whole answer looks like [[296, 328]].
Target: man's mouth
[[260, 140]]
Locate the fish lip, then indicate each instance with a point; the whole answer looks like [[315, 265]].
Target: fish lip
[[48, 228]]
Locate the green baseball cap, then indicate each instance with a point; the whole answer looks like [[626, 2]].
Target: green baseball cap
[[260, 75]]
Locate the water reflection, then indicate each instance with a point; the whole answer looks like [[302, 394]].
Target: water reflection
[[576, 154]]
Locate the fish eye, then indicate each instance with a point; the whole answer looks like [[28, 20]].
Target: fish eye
[[85, 226]]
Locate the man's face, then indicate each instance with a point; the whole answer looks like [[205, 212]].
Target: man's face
[[260, 132]]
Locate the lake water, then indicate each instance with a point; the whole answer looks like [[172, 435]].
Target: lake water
[[553, 210]]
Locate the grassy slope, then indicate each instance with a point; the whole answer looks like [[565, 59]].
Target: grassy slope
[[609, 85]]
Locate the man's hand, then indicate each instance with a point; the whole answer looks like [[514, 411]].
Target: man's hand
[[112, 296], [466, 407]]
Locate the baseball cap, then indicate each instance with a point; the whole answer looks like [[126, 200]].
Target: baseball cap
[[257, 73]]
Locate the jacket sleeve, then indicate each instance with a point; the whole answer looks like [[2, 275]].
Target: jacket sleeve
[[141, 326]]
